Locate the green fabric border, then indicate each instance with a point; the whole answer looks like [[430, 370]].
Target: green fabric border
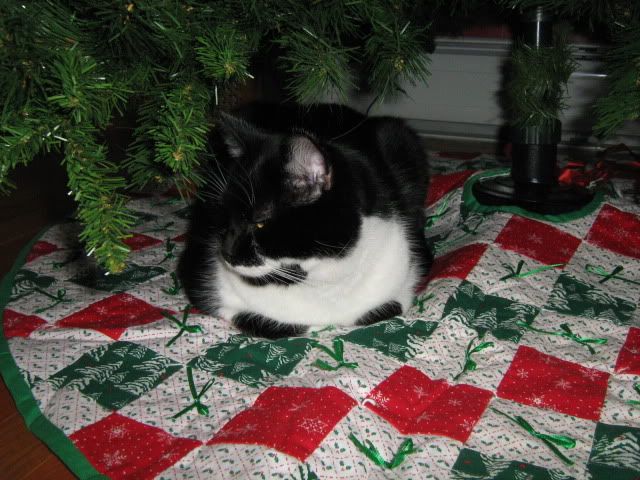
[[472, 204], [36, 422]]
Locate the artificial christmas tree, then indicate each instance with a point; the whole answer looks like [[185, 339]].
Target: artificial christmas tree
[[70, 70]]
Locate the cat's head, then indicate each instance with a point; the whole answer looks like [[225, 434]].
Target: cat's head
[[282, 198]]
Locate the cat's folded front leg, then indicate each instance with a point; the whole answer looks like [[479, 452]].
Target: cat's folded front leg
[[257, 325]]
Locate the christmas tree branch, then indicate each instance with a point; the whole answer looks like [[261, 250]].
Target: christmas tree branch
[[538, 82], [316, 66], [622, 102], [95, 186]]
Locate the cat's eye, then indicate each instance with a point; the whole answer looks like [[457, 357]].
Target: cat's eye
[[259, 225]]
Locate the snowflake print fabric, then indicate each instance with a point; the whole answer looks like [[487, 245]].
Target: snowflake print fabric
[[519, 358]]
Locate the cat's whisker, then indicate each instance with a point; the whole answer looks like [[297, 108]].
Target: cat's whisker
[[290, 275], [214, 182], [340, 248], [247, 177], [346, 245], [295, 276], [247, 200], [224, 179]]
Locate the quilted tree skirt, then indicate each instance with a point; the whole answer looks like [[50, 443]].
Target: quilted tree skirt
[[519, 359]]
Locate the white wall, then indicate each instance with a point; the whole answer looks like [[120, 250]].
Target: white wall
[[461, 98]]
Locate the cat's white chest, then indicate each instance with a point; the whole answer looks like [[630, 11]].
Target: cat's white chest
[[378, 269]]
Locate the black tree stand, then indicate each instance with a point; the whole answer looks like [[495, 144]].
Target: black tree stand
[[533, 183]]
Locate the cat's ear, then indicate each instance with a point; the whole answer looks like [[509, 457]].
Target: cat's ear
[[308, 174], [238, 135]]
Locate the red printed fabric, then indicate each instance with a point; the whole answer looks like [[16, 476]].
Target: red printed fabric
[[415, 404], [39, 249], [547, 382], [16, 324], [291, 420], [458, 263], [629, 357], [140, 241], [537, 240], [113, 315], [440, 185], [617, 231], [122, 448]]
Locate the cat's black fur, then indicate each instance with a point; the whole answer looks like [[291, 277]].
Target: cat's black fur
[[372, 166]]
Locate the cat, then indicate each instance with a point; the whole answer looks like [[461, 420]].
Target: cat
[[309, 216]]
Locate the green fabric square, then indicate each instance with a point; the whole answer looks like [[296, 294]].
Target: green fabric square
[[27, 282], [615, 453], [575, 297], [116, 374], [395, 338], [117, 282], [252, 362], [488, 313], [472, 464]]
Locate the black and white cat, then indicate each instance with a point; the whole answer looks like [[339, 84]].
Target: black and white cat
[[310, 216]]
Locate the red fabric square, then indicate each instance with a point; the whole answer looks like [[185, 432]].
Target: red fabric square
[[39, 249], [17, 324], [120, 447], [537, 240], [415, 404], [292, 420], [440, 185], [629, 356], [617, 231], [544, 381], [139, 241], [113, 315], [457, 263]]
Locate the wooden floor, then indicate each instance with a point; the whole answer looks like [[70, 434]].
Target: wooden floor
[[40, 200]]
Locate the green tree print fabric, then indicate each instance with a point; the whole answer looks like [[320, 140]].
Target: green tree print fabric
[[124, 379]]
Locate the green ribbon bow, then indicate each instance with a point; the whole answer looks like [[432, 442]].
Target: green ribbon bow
[[473, 230], [518, 273], [170, 247], [406, 448], [443, 208], [598, 270], [420, 301], [337, 354], [636, 387], [567, 333], [57, 298], [551, 441], [200, 408], [469, 364], [182, 325], [328, 328], [176, 287]]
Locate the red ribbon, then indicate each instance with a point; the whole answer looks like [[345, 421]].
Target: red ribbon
[[585, 174]]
